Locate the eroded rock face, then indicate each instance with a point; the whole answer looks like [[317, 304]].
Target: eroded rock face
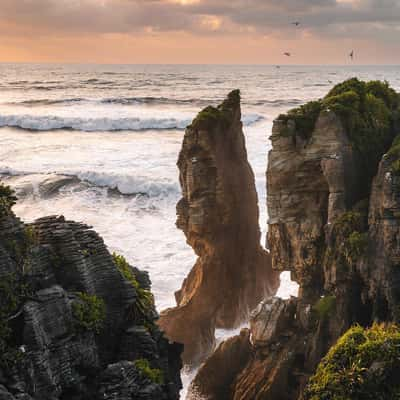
[[219, 215], [309, 184], [342, 248], [62, 346]]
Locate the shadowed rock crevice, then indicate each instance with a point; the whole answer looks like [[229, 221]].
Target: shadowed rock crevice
[[219, 215]]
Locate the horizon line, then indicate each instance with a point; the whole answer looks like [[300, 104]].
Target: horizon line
[[198, 64]]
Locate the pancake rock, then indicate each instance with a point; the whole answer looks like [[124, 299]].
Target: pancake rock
[[219, 214], [333, 202], [75, 321]]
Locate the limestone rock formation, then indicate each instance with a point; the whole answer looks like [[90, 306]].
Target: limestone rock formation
[[219, 214], [76, 322], [333, 201]]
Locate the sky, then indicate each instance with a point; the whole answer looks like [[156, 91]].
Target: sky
[[200, 31]]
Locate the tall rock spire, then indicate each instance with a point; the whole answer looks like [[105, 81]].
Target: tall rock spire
[[219, 215]]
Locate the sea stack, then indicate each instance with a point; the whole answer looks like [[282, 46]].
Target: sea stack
[[219, 215], [333, 201]]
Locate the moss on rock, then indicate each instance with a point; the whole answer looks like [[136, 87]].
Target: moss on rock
[[212, 117], [363, 365], [7, 199], [370, 114], [145, 297], [89, 313], [154, 374]]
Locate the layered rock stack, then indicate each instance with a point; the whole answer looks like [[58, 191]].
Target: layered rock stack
[[219, 214], [75, 321], [333, 201]]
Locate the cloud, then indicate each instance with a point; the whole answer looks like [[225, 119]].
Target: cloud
[[333, 18]]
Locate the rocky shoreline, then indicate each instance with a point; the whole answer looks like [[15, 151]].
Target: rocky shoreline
[[76, 321], [79, 323]]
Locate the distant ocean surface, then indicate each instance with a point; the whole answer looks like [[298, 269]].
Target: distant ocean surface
[[121, 127]]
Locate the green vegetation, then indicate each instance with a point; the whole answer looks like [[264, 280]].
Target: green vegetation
[[370, 113], [145, 297], [89, 313], [349, 231], [356, 245], [362, 365], [155, 375], [7, 199], [211, 117], [324, 307], [348, 223], [125, 269], [304, 118], [13, 292], [31, 235]]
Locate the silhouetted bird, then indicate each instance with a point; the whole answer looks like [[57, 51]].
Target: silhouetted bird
[[351, 55], [297, 23], [287, 54]]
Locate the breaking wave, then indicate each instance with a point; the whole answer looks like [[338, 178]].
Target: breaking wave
[[50, 123]]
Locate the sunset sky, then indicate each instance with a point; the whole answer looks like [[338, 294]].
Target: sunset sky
[[200, 31]]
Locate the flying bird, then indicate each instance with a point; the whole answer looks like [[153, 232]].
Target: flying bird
[[351, 55], [297, 23], [287, 54]]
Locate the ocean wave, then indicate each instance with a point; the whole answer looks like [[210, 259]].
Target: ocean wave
[[47, 183], [47, 102], [50, 123], [130, 185], [156, 101]]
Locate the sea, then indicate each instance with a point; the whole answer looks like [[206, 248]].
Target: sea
[[115, 132]]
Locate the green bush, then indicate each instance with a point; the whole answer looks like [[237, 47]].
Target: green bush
[[31, 235], [7, 199], [144, 296], [155, 375], [370, 113], [356, 245], [347, 223], [362, 365], [304, 118], [89, 313], [349, 230], [212, 117], [125, 269]]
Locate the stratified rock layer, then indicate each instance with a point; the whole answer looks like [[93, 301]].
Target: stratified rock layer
[[336, 228], [219, 215], [49, 349]]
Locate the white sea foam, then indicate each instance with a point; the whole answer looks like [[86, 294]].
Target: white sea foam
[[130, 185], [51, 122]]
